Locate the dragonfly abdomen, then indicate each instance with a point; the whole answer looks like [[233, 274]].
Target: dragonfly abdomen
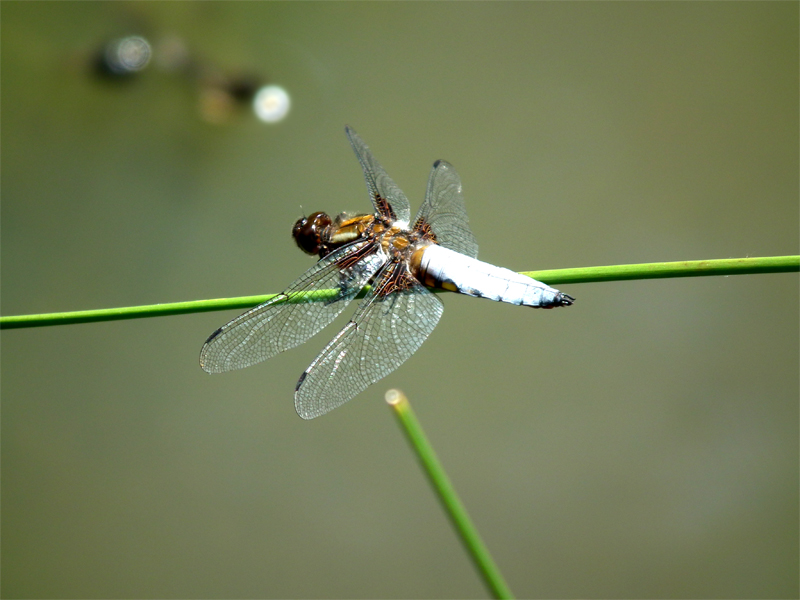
[[444, 268]]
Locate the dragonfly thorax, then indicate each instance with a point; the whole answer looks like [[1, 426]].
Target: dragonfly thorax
[[401, 244]]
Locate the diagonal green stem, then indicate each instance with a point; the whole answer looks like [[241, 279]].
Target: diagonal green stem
[[694, 268], [447, 495]]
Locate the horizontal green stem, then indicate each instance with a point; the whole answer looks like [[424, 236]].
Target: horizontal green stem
[[693, 268], [685, 268], [447, 495]]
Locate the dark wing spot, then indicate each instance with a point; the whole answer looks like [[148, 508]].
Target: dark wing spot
[[300, 381], [213, 335]]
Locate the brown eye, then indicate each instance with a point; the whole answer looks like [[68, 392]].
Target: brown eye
[[308, 232]]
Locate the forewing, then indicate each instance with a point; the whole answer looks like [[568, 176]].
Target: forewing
[[278, 325], [386, 330], [444, 212], [388, 199]]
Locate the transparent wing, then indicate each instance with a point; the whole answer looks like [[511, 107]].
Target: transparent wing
[[388, 199], [444, 211], [276, 325], [388, 327]]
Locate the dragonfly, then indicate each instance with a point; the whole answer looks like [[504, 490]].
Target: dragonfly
[[398, 261]]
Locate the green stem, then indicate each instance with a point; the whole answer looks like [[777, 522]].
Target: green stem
[[447, 495], [695, 268], [687, 268]]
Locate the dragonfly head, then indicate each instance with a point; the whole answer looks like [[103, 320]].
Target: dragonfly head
[[308, 232]]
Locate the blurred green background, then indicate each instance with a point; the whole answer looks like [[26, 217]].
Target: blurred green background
[[643, 443]]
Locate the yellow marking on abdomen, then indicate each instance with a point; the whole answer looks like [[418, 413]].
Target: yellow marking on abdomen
[[448, 285]]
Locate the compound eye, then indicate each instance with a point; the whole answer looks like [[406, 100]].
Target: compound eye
[[308, 232]]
